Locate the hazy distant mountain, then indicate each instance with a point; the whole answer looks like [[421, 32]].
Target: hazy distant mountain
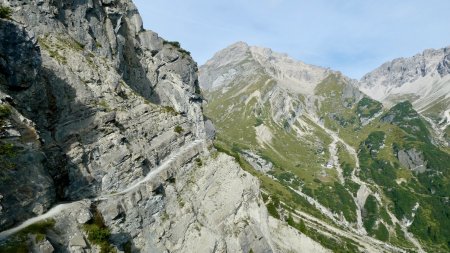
[[242, 59], [423, 79]]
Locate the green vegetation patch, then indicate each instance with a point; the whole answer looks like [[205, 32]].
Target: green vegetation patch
[[421, 197], [7, 154], [5, 12], [367, 107], [5, 111], [404, 116], [199, 162], [177, 45], [341, 245], [170, 110], [99, 234], [178, 129], [336, 198]]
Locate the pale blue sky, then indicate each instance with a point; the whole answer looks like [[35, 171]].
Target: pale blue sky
[[352, 36]]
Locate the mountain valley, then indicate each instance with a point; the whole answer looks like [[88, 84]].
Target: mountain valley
[[112, 139], [320, 145]]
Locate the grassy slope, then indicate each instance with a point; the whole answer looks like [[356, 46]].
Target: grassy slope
[[403, 129], [298, 160]]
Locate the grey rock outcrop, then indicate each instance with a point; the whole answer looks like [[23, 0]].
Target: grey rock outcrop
[[412, 159], [239, 61], [257, 162], [406, 70], [107, 104]]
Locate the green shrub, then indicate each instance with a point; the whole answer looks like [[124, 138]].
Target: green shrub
[[199, 162], [169, 109], [197, 88], [271, 208], [178, 129], [259, 122], [99, 234], [127, 247], [5, 12], [172, 43], [7, 152], [5, 111], [104, 105], [382, 233], [176, 45], [370, 213]]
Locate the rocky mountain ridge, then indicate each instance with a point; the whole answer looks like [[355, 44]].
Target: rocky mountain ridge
[[422, 79], [103, 142], [289, 73]]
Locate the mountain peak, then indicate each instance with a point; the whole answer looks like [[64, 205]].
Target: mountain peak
[[239, 44], [289, 73], [403, 70], [423, 79]]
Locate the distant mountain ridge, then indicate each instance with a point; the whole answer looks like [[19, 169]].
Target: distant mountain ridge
[[352, 154], [289, 73], [423, 79]]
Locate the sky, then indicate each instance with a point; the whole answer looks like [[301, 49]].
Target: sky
[[351, 36]]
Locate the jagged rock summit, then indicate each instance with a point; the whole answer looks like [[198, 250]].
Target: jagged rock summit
[[423, 79], [240, 58]]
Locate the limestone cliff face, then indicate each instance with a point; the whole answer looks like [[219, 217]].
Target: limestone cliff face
[[94, 86], [103, 116]]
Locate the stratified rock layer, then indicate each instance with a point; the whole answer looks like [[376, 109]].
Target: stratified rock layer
[[104, 116]]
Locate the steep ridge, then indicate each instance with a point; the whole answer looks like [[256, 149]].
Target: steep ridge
[[422, 79], [103, 142], [309, 141]]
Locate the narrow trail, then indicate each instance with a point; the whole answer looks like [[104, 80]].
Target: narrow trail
[[50, 213], [62, 207]]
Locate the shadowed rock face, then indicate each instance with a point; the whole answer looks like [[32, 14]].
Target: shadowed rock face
[[20, 57], [26, 187]]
